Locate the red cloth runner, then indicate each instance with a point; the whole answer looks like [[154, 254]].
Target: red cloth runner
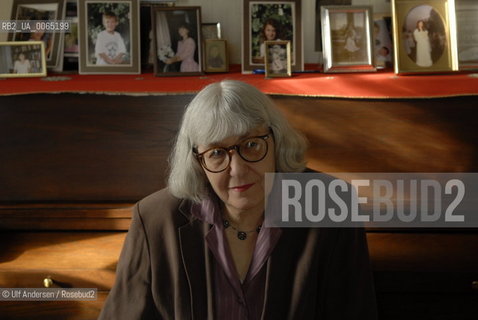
[[378, 85]]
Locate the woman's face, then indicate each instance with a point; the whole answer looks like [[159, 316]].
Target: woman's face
[[183, 32], [270, 32], [420, 25], [241, 186]]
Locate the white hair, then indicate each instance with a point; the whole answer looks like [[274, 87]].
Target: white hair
[[221, 110]]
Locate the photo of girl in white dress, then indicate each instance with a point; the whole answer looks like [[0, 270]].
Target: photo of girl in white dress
[[348, 32], [424, 36], [424, 49]]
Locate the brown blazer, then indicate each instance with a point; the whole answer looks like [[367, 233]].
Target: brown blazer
[[164, 271]]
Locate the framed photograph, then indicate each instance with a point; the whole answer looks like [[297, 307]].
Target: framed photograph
[[382, 40], [109, 36], [467, 29], [268, 20], [41, 10], [22, 59], [318, 24], [347, 39], [211, 31], [177, 41], [71, 37], [424, 36], [215, 55], [277, 59]]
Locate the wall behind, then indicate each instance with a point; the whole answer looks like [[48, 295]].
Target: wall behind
[[5, 8], [229, 14]]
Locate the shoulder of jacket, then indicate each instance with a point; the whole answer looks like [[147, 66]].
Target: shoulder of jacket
[[163, 206]]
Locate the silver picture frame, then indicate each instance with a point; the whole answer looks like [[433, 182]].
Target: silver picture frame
[[347, 40]]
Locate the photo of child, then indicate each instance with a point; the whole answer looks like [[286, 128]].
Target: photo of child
[[277, 59], [424, 36], [186, 48], [109, 47], [177, 41], [22, 59], [348, 36], [382, 44], [270, 32], [269, 22], [109, 34], [22, 64]]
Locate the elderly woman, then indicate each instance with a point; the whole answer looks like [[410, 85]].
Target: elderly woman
[[198, 250]]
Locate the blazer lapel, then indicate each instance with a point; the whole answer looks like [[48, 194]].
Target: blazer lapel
[[278, 302], [197, 263]]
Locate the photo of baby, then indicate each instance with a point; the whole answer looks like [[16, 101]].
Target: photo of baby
[[277, 59]]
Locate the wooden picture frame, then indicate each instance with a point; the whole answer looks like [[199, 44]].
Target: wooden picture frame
[[41, 10], [277, 59], [216, 55], [177, 41], [467, 29], [211, 30], [424, 36], [22, 59], [267, 20], [109, 37], [347, 40]]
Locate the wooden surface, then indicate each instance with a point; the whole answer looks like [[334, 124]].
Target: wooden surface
[[95, 148], [413, 272], [427, 135], [73, 259], [66, 216], [53, 310], [70, 259], [85, 148]]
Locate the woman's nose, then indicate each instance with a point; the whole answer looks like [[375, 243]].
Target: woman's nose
[[238, 166]]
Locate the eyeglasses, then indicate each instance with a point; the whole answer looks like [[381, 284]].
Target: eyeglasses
[[252, 149]]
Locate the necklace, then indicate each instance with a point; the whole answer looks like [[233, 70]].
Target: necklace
[[241, 235]]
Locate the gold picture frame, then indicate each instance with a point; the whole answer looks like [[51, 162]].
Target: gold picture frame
[[215, 55], [277, 59], [22, 59], [424, 36]]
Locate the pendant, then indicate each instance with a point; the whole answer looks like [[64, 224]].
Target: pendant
[[241, 235]]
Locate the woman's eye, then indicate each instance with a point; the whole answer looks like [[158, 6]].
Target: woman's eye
[[251, 144], [216, 153]]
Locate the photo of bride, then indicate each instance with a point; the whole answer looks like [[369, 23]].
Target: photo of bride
[[424, 26]]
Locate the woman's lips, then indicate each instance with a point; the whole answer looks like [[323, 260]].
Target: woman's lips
[[242, 188]]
